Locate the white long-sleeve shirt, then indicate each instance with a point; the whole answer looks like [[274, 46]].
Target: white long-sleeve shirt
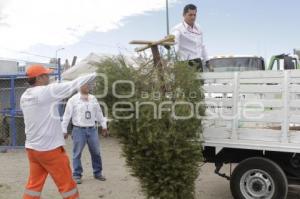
[[84, 113], [41, 117], [189, 42]]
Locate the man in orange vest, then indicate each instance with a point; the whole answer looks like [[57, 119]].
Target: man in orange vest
[[44, 136]]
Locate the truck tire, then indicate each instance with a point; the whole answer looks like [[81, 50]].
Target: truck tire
[[291, 166], [258, 178]]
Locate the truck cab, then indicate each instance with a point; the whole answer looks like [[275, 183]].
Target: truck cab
[[235, 63], [284, 62]]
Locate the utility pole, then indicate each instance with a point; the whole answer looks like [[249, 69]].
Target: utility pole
[[168, 26], [167, 17], [58, 66]]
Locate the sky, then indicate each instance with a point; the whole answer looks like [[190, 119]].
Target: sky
[[34, 30]]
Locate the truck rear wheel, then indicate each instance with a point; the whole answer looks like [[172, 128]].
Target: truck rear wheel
[[258, 178]]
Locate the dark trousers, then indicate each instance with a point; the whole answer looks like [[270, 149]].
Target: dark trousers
[[196, 63]]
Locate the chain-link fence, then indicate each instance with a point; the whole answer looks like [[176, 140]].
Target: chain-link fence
[[12, 129]]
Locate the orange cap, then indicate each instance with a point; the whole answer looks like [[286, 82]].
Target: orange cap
[[37, 70]]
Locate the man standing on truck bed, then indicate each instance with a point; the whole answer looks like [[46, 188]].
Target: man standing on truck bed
[[44, 135], [189, 39]]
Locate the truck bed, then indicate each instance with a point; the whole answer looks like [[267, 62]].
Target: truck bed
[[257, 110]]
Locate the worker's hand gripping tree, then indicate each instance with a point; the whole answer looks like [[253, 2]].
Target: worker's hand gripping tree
[[159, 125]]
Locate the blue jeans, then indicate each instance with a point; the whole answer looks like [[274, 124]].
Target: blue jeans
[[82, 136]]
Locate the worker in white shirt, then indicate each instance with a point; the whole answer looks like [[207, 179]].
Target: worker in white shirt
[[189, 39], [44, 135], [85, 112]]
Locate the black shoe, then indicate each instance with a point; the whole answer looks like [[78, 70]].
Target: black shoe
[[78, 180], [101, 178]]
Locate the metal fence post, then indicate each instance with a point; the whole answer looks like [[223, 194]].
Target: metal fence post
[[13, 111]]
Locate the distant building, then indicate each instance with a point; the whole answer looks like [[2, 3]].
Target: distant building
[[8, 67]]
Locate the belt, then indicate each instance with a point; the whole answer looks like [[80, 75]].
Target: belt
[[196, 63], [84, 127]]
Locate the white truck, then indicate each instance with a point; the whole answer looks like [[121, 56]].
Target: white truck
[[256, 125]]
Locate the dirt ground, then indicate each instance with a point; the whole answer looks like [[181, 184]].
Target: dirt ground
[[119, 184]]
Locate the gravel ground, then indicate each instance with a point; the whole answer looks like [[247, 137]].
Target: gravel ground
[[119, 184]]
